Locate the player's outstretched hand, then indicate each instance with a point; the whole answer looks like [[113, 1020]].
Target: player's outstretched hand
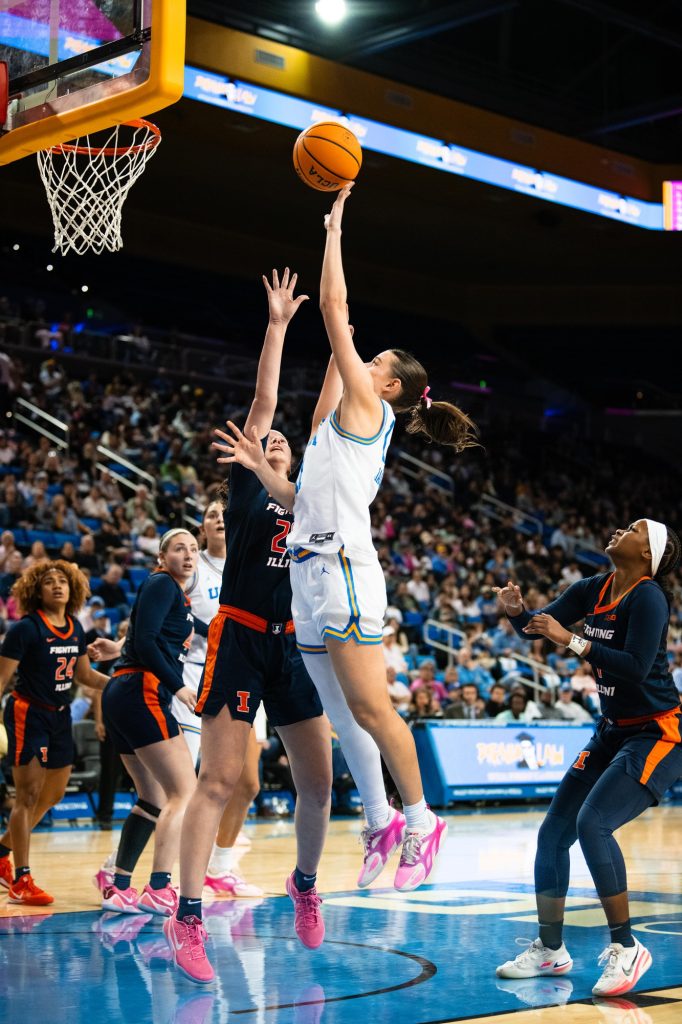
[[547, 626], [102, 649], [187, 697], [281, 302], [332, 221], [237, 447], [510, 598]]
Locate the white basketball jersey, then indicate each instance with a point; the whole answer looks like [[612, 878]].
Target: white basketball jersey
[[204, 595], [337, 482]]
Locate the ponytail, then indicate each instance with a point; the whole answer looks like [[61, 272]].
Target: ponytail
[[441, 422]]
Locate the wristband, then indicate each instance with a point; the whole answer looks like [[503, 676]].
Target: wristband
[[577, 644]]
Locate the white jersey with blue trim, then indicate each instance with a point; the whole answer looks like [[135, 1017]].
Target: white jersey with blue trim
[[337, 482], [204, 595]]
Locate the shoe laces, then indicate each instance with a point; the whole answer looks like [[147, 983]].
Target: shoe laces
[[531, 946], [196, 934], [412, 847], [308, 906], [609, 956]]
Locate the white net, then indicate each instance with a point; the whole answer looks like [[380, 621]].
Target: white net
[[87, 185]]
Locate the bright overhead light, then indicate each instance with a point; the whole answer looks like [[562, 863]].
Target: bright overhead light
[[84, 287], [332, 12], [49, 267], [16, 247]]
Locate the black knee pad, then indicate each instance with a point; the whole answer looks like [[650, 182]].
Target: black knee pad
[[148, 808]]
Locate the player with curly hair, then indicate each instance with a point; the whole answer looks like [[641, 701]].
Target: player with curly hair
[[47, 650]]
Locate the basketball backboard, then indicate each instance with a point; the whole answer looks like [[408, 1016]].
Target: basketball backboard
[[78, 66]]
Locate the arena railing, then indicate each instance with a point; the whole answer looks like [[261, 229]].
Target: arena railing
[[542, 677], [436, 477], [35, 418]]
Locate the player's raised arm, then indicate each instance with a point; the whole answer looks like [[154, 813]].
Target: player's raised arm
[[331, 392], [358, 389], [282, 307]]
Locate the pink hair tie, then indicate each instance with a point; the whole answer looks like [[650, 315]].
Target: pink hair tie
[[425, 397]]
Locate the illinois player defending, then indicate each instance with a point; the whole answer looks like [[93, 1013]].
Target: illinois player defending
[[136, 704], [203, 591], [634, 756], [204, 594], [252, 657], [339, 592], [47, 650]]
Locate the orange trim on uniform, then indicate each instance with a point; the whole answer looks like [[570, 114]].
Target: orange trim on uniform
[[598, 608], [670, 727], [55, 629], [649, 718], [215, 632], [126, 671], [150, 692], [21, 707], [251, 621]]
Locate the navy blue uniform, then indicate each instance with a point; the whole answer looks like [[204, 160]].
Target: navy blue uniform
[[252, 655], [137, 700], [635, 754], [37, 715]]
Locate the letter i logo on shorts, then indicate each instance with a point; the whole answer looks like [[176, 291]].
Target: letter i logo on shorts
[[243, 705], [582, 758], [43, 755]]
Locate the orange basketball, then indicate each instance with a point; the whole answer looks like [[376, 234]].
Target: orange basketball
[[327, 156]]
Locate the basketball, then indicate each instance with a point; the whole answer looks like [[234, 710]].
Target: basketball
[[327, 156]]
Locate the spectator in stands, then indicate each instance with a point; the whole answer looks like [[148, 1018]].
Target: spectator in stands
[[426, 678], [110, 589], [37, 554], [7, 546], [424, 704], [8, 447], [397, 691], [549, 710], [497, 701], [504, 642], [569, 709], [13, 570], [393, 656], [86, 557], [13, 511], [109, 489], [520, 708], [94, 620], [561, 537], [94, 504], [451, 680], [583, 683], [571, 573], [144, 500], [469, 706], [67, 551], [64, 518], [470, 669], [466, 607], [148, 541], [419, 588]]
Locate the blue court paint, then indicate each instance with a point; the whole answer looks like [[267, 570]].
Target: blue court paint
[[388, 957]]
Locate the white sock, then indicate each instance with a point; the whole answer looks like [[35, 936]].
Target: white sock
[[359, 749], [222, 859], [110, 862], [418, 817]]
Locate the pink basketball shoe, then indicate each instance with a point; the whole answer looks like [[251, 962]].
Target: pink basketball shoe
[[158, 901], [420, 850], [379, 845], [308, 920], [186, 939]]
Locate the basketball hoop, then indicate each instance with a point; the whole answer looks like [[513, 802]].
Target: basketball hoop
[[87, 185]]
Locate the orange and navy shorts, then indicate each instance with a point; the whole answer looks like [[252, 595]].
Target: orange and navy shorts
[[648, 749], [250, 661], [137, 710], [36, 730]]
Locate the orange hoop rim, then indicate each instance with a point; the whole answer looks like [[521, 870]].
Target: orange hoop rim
[[150, 143]]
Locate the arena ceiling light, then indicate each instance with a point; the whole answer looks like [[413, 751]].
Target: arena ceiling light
[[331, 12]]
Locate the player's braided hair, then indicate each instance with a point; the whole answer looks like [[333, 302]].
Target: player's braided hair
[[26, 590], [442, 422], [669, 562]]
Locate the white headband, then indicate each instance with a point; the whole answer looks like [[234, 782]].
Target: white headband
[[658, 538]]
